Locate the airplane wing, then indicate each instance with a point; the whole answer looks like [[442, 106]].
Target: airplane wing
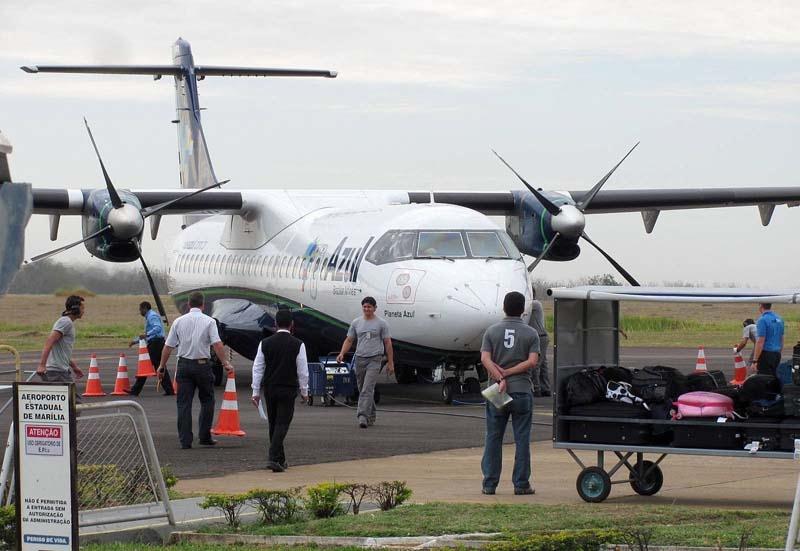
[[74, 202], [155, 70], [209, 70]]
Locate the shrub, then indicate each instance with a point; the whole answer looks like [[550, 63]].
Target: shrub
[[567, 540], [389, 495], [8, 526], [323, 500], [356, 492], [230, 505], [99, 486], [276, 506], [169, 476]]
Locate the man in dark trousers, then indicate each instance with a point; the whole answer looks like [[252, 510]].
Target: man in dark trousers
[[279, 371], [154, 336], [193, 334], [769, 341]]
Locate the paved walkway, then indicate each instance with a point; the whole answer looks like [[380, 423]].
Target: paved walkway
[[454, 476]]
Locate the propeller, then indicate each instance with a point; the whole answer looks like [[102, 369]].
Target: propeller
[[112, 193], [160, 305], [66, 247], [566, 220]]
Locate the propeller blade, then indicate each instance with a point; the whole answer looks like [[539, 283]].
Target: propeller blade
[[112, 193], [65, 247], [150, 211], [544, 252], [551, 207], [613, 262], [592, 192], [156, 296]]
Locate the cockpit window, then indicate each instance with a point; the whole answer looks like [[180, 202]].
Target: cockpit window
[[486, 244], [441, 243], [393, 246]]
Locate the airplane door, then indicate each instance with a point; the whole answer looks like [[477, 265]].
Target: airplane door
[[403, 284]]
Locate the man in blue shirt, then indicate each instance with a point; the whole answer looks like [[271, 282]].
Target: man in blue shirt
[[154, 335], [769, 341]]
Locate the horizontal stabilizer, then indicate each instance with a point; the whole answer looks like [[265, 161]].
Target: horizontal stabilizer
[[209, 71], [155, 70]]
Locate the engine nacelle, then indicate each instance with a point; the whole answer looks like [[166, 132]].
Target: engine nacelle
[[127, 224], [532, 227]]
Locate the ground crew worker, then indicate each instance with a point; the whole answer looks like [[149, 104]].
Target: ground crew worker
[[279, 371], [193, 334], [748, 335], [509, 352], [372, 337], [154, 336], [541, 375], [55, 363], [769, 341]]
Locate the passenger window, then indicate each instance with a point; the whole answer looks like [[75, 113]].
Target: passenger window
[[393, 246], [440, 244], [486, 244]]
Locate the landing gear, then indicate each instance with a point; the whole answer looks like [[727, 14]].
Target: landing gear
[[459, 384], [450, 388], [404, 374]]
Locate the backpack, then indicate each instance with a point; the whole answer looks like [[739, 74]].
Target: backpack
[[676, 381], [649, 385], [585, 387]]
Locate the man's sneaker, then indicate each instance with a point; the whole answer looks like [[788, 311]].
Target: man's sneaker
[[487, 491], [524, 491], [275, 467], [284, 465], [362, 422]]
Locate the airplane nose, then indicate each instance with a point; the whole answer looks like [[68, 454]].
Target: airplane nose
[[473, 306]]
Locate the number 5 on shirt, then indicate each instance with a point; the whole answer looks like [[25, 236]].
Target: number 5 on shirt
[[508, 340]]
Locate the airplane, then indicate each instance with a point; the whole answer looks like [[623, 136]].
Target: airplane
[[437, 265]]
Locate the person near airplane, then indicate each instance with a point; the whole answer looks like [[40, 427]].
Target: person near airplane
[[193, 334], [769, 341], [154, 337], [541, 375], [280, 369], [372, 337], [749, 334], [55, 363], [509, 353]]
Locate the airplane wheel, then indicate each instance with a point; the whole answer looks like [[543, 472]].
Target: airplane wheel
[[651, 484], [593, 484], [473, 386], [449, 389]]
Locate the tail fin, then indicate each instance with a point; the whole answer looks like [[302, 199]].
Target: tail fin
[[195, 163]]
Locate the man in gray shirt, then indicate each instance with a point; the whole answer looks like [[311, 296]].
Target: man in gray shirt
[[55, 363], [509, 352], [372, 337], [748, 335], [541, 375]]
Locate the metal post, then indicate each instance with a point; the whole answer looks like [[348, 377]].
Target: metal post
[[7, 468], [17, 360], [791, 537]]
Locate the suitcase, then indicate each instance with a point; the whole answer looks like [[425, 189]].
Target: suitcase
[[791, 400], [784, 373], [650, 385], [604, 432], [688, 434], [790, 431], [769, 438], [703, 404], [708, 381]]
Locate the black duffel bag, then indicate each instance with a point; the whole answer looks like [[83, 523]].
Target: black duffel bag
[[617, 373], [708, 381], [759, 387], [585, 387], [649, 385], [676, 381]]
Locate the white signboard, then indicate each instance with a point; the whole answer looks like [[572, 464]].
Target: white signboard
[[47, 511]]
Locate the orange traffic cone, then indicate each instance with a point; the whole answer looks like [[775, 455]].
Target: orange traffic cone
[[145, 367], [228, 421], [123, 383], [700, 364], [93, 387], [739, 370]]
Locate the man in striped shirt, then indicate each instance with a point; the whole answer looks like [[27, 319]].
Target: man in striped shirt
[[193, 334]]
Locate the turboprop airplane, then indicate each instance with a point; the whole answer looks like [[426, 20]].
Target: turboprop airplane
[[437, 265]]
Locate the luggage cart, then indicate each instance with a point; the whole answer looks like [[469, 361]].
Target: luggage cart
[[331, 381], [586, 336]]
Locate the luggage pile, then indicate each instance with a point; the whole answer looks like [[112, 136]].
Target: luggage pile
[[660, 406]]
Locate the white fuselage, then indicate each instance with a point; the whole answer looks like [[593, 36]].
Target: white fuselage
[[312, 251]]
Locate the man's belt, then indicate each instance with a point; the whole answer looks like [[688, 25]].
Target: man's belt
[[201, 361]]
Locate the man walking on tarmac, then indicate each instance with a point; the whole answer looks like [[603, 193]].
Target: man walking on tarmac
[[154, 336], [769, 341], [372, 337], [55, 364], [193, 334], [509, 352], [279, 371], [541, 375]]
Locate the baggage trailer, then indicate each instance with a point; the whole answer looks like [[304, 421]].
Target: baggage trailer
[[586, 337]]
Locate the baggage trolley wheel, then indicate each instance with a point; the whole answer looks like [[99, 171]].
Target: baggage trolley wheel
[[651, 483], [593, 484], [449, 389]]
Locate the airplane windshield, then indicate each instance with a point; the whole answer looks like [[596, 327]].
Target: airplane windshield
[[397, 245]]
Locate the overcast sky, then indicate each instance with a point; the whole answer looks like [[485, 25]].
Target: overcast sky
[[560, 89]]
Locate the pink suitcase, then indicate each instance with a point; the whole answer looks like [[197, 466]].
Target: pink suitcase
[[703, 404]]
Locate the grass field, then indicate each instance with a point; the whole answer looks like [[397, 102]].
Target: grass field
[[111, 320]]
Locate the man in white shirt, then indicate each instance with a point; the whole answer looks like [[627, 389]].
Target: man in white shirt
[[193, 334], [279, 371]]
